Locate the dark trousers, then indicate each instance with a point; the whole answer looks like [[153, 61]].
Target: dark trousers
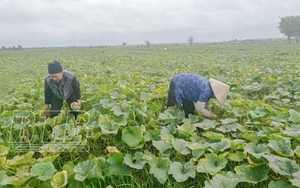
[[188, 106], [56, 105]]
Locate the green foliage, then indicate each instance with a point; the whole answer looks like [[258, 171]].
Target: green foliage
[[126, 137]]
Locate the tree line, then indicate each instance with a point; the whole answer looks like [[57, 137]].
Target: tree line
[[290, 27]]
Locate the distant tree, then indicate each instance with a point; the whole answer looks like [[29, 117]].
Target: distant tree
[[19, 46], [3, 48], [190, 40], [290, 27], [124, 44], [147, 43]]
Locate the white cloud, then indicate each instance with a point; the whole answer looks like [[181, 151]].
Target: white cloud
[[102, 22]]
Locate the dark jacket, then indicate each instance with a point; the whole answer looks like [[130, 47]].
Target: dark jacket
[[69, 85]]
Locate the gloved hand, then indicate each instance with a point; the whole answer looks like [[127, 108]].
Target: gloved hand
[[47, 110]]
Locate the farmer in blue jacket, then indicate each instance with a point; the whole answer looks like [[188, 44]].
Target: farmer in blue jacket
[[60, 85], [187, 89]]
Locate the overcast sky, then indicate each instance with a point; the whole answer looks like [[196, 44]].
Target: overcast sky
[[50, 23]]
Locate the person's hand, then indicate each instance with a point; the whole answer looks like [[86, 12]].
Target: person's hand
[[79, 103], [214, 115], [47, 111]]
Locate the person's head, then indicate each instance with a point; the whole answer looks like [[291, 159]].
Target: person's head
[[55, 70], [220, 90]]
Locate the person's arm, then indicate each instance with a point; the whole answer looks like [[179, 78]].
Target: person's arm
[[202, 107], [48, 95], [77, 91]]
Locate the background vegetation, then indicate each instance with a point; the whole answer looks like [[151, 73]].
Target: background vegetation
[[125, 136]]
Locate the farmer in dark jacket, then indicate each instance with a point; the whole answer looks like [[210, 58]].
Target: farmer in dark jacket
[[60, 85], [187, 89]]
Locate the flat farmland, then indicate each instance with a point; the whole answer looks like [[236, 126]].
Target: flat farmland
[[126, 137]]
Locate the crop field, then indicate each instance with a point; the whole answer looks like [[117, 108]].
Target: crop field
[[125, 137]]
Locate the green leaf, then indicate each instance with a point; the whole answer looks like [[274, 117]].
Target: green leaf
[[84, 169], [136, 161], [60, 179], [109, 128], [213, 136], [220, 146], [119, 110], [281, 147], [99, 169], [253, 136], [207, 124], [169, 129], [69, 168], [15, 181], [133, 136], [237, 156], [237, 144], [295, 179], [44, 171], [187, 129], [211, 164], [162, 146], [117, 166], [280, 184], [22, 159], [257, 151], [182, 172], [159, 168], [180, 145], [294, 116], [253, 173], [228, 121], [282, 165], [3, 150], [297, 151], [221, 181]]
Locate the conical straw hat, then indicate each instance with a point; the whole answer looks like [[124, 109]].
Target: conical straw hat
[[220, 90]]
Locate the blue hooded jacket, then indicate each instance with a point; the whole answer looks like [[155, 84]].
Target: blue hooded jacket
[[192, 87]]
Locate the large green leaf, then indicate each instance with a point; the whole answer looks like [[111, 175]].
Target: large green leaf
[[3, 150], [282, 165], [221, 181], [180, 145], [220, 146], [120, 110], [44, 171], [117, 166], [237, 156], [162, 146], [159, 168], [207, 124], [135, 161], [60, 179], [294, 116], [280, 184], [22, 159], [213, 136], [295, 179], [84, 169], [182, 172], [187, 129], [212, 164], [99, 169], [253, 136], [253, 173], [133, 136], [15, 181], [237, 144], [281, 147], [257, 151]]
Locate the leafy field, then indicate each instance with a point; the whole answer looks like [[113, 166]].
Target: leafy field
[[126, 137]]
